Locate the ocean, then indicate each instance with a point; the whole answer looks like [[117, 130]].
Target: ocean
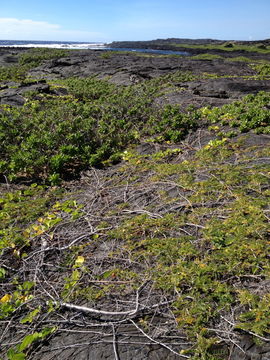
[[79, 45], [51, 44]]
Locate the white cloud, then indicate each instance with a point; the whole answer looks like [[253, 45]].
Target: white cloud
[[17, 27], [26, 29]]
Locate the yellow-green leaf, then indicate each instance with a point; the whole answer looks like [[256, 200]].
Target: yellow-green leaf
[[79, 261], [6, 298]]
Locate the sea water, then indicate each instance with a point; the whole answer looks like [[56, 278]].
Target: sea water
[[80, 45], [51, 44]]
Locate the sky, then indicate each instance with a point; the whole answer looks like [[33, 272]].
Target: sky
[[116, 20]]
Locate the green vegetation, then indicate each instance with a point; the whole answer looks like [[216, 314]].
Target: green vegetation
[[259, 65], [251, 113], [98, 120], [36, 56], [240, 59], [109, 53], [180, 230], [227, 212], [227, 47], [27, 61], [22, 208], [54, 137], [206, 57], [21, 350], [195, 255], [262, 69]]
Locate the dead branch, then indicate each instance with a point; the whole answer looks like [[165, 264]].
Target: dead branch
[[114, 344], [247, 331], [196, 225], [158, 342], [141, 211], [95, 311]]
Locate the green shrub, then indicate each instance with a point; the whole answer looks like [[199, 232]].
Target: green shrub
[[249, 113], [36, 56], [58, 137], [262, 69], [240, 59], [207, 57], [27, 61], [226, 47], [13, 73]]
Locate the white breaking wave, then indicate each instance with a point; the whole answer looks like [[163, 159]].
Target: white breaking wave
[[80, 45], [92, 46]]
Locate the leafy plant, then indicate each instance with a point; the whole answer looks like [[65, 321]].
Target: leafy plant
[[36, 56], [206, 57], [20, 351], [71, 135], [250, 113]]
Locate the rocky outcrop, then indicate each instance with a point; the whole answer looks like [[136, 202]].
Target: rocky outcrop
[[115, 66], [176, 44], [89, 347], [212, 92], [15, 94], [10, 56], [130, 68]]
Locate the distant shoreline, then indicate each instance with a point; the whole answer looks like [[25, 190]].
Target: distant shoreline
[[171, 46]]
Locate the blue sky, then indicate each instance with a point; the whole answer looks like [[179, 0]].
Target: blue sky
[[105, 21]]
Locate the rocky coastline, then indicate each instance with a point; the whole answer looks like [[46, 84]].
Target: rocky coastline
[[127, 68], [125, 313]]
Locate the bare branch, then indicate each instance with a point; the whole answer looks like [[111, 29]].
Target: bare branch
[[141, 211], [158, 342], [247, 331], [95, 311], [114, 344]]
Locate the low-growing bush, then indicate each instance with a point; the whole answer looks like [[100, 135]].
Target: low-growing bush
[[27, 61], [36, 56], [53, 138], [247, 114], [58, 137], [262, 69], [207, 57]]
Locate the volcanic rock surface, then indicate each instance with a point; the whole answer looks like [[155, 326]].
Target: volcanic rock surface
[[131, 68], [226, 82]]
